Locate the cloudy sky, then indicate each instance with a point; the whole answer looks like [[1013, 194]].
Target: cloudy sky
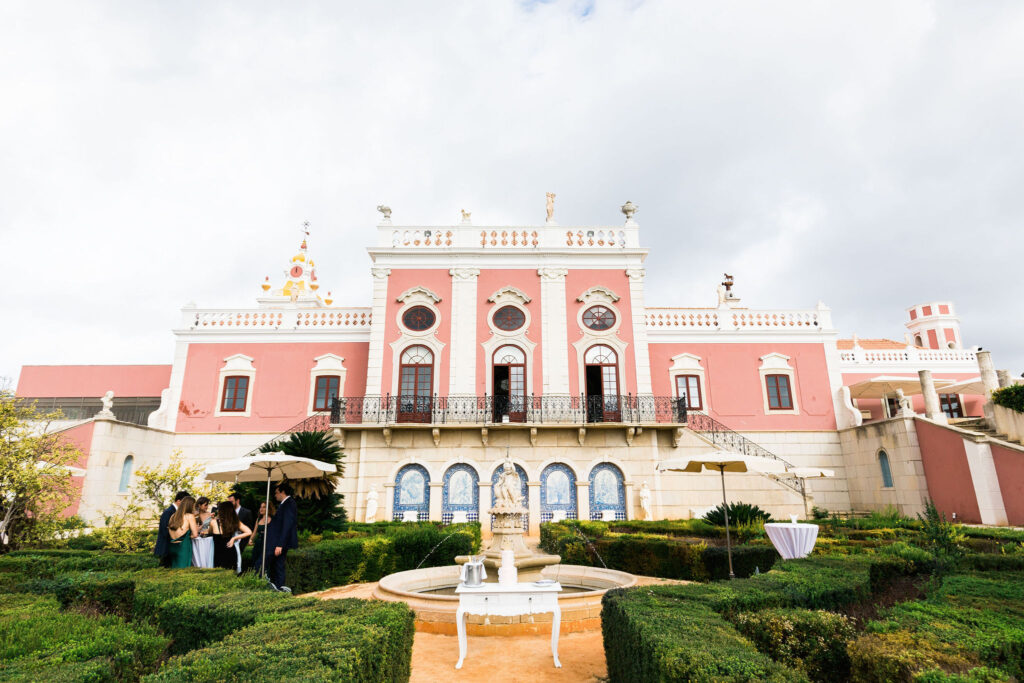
[[870, 155]]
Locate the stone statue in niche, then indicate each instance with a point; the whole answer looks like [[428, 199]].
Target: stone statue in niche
[[508, 489], [108, 403], [550, 207], [645, 502], [371, 506]]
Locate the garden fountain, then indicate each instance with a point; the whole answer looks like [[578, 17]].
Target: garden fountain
[[431, 592]]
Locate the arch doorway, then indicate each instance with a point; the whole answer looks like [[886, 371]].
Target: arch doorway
[[509, 375], [601, 378], [416, 382]]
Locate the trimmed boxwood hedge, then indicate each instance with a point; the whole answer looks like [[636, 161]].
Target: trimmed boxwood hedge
[[35, 564], [350, 640], [97, 593], [661, 556], [40, 642]]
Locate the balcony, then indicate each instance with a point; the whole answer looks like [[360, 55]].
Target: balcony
[[477, 411]]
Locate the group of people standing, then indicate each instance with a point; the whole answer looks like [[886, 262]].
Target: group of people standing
[[192, 535]]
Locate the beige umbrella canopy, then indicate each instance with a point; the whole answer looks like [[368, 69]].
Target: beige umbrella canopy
[[809, 473], [268, 467], [722, 462], [887, 385], [966, 386]]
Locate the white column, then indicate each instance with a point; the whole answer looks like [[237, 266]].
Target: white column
[[990, 381], [375, 359], [932, 409], [553, 330], [636, 302], [462, 374]]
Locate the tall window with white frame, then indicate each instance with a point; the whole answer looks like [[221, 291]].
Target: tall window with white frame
[[327, 388], [601, 381], [688, 386], [415, 384], [780, 396], [509, 370], [236, 393]]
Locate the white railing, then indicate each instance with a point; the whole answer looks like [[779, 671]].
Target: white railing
[[907, 356], [469, 236], [271, 319], [733, 319]]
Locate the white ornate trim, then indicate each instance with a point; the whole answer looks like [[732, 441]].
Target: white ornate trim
[[548, 273], [598, 294], [509, 295], [329, 365], [464, 273], [778, 364], [418, 290], [405, 341], [380, 273], [237, 365], [636, 273]]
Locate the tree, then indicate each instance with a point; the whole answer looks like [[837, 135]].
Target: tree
[[155, 486], [319, 505], [35, 474]]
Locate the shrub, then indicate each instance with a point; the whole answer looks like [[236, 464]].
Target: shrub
[[940, 534], [812, 641], [93, 541], [193, 621], [370, 641], [104, 595], [155, 587], [899, 655], [745, 560], [39, 642], [1011, 397], [50, 563], [992, 562], [739, 514]]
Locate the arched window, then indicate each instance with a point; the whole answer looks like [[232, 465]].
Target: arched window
[[126, 474], [412, 492], [557, 492], [416, 382], [607, 493], [509, 370], [461, 493], [601, 379], [918, 341], [523, 487], [883, 464]]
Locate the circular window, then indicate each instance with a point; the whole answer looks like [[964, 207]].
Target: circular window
[[599, 318], [418, 318], [509, 318]]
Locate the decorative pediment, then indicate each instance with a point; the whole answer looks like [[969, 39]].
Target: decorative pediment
[[598, 293], [775, 361], [509, 295], [329, 362], [686, 361], [418, 291], [238, 361]]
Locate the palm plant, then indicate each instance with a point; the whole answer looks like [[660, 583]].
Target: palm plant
[[739, 514], [316, 446]]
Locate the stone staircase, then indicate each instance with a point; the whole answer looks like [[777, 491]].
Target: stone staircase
[[980, 425]]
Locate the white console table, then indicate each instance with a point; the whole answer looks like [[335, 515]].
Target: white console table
[[493, 599]]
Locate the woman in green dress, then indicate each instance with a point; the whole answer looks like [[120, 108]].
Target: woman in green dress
[[183, 528]]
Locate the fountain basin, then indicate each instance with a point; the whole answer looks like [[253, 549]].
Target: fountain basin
[[430, 593]]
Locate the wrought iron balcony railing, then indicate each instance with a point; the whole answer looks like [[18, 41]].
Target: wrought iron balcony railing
[[492, 410]]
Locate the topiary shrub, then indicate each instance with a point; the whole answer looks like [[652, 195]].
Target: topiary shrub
[[900, 655], [97, 594], [746, 560], [813, 641], [739, 514]]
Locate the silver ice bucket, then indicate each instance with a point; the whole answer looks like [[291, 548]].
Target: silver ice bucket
[[473, 573]]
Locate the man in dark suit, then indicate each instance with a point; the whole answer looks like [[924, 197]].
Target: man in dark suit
[[282, 535], [245, 515], [163, 536]]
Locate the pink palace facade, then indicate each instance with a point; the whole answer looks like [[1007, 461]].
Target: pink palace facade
[[538, 340]]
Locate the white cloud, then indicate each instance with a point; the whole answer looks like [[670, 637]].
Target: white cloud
[[153, 154]]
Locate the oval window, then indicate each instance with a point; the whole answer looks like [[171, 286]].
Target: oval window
[[509, 318], [599, 318], [419, 318]]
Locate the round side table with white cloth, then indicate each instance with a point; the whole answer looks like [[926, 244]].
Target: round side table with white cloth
[[792, 540]]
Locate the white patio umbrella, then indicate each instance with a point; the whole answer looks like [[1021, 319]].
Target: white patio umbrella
[[887, 385], [804, 473], [722, 462], [973, 385], [271, 467]]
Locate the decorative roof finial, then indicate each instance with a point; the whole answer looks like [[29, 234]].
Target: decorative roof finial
[[550, 207], [385, 211], [629, 208]]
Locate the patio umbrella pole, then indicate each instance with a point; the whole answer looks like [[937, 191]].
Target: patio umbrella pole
[[725, 509], [263, 562]]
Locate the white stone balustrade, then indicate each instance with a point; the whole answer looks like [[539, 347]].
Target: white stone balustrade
[[809, 320], [468, 236], [909, 356], [275, 319]]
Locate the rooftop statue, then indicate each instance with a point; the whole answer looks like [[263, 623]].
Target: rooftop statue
[[385, 211], [550, 207]]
